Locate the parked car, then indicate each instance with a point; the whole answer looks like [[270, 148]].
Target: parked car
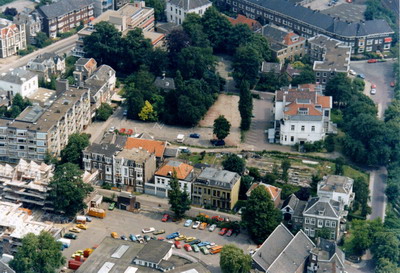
[[190, 239], [203, 214], [218, 218], [178, 244], [88, 219], [212, 227], [187, 247], [372, 61], [114, 235], [373, 91], [204, 250], [217, 142], [129, 132], [75, 229], [195, 242], [194, 135], [111, 206], [361, 76], [111, 130], [132, 237], [160, 231], [352, 72], [81, 226], [123, 237], [188, 222], [180, 238], [196, 224], [203, 225], [148, 230], [203, 244], [229, 233], [70, 236], [153, 238], [139, 238], [373, 86], [161, 238], [173, 235], [195, 248], [122, 131], [223, 231], [392, 84], [125, 113], [146, 238], [216, 249], [165, 218]]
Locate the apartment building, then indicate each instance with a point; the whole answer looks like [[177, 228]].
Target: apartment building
[[216, 188], [12, 38], [101, 6], [25, 183], [37, 131], [284, 44], [127, 17], [161, 184], [176, 10], [330, 56], [31, 20], [19, 81], [302, 115], [64, 15], [308, 23]]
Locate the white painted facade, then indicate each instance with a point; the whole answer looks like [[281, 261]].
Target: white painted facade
[[339, 189], [161, 186], [19, 83], [295, 131], [176, 11]]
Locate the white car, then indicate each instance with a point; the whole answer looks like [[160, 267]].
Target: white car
[[212, 227], [148, 230], [111, 130], [352, 72], [139, 238], [196, 224], [373, 91]]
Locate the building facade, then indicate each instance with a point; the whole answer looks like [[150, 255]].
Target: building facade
[[19, 81], [216, 188], [177, 9], [32, 23], [47, 65], [64, 15], [12, 39], [308, 23]]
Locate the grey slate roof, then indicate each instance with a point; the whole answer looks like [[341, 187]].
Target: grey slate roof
[[16, 76], [218, 178], [272, 246], [274, 33], [4, 268], [103, 73], [294, 255], [268, 67], [171, 152], [107, 150], [295, 204], [190, 4], [165, 83], [45, 56], [154, 251], [62, 7], [324, 21], [323, 207]]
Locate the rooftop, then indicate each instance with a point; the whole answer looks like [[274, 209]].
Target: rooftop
[[154, 251], [241, 19], [190, 4], [218, 178], [273, 191], [63, 7], [134, 154], [17, 76], [318, 206], [108, 150], [182, 170], [43, 96], [336, 183], [165, 83], [152, 146]]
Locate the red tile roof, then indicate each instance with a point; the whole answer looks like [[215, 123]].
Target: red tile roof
[[273, 191], [182, 171], [241, 19], [293, 109], [153, 146], [288, 39]]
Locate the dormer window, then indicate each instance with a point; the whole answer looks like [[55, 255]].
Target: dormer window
[[303, 111]]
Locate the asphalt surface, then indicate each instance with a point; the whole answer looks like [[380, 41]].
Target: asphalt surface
[[378, 198]]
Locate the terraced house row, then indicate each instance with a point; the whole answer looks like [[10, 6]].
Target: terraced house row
[[364, 36]]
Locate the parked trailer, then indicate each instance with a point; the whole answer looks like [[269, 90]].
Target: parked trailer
[[95, 212], [81, 219], [74, 265]]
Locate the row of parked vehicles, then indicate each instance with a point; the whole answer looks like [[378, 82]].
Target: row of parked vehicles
[[211, 228]]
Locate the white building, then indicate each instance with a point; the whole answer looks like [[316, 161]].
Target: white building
[[338, 188], [19, 81], [177, 9], [184, 174], [302, 115]]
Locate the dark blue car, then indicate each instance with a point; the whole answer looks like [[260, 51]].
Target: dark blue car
[[194, 135], [173, 235]]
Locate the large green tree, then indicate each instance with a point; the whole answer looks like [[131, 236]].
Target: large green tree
[[72, 153], [159, 9], [104, 112], [67, 189], [234, 260], [179, 200], [193, 62], [38, 254], [234, 163], [285, 166], [246, 64], [245, 106], [221, 127], [386, 245], [260, 216]]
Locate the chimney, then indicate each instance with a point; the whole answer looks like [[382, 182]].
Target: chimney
[[163, 75], [62, 85]]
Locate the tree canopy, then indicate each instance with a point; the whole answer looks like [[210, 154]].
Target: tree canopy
[[104, 112], [179, 200], [234, 163], [38, 254], [221, 127], [72, 153], [259, 215], [67, 190], [233, 260]]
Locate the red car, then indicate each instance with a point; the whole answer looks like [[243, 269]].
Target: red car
[[161, 238], [187, 247], [392, 84], [229, 233], [165, 218], [218, 218], [122, 131], [178, 244], [372, 61], [129, 132], [223, 231]]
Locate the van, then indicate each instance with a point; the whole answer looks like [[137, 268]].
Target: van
[[180, 138], [216, 249]]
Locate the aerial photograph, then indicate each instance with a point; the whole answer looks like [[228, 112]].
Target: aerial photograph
[[199, 136]]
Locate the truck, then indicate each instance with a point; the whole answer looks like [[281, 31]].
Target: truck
[[95, 212], [96, 201], [66, 242], [80, 219]]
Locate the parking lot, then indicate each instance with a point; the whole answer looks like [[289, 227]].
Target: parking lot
[[125, 223]]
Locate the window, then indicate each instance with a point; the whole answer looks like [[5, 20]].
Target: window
[[320, 223], [360, 43], [307, 231], [285, 138], [171, 9], [369, 42], [332, 235], [333, 223], [307, 220], [327, 223], [303, 128], [292, 138], [324, 74], [312, 221], [386, 46], [313, 128], [312, 232], [368, 49], [292, 127]]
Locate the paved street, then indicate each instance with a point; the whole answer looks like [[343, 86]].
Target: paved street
[[125, 223], [377, 189]]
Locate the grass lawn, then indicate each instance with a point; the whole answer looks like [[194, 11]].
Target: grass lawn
[[209, 158]]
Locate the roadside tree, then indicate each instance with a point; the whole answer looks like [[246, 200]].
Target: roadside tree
[[285, 166], [221, 127], [104, 112], [178, 199], [233, 260]]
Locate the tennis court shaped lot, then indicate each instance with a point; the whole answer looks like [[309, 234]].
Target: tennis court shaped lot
[[125, 223]]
